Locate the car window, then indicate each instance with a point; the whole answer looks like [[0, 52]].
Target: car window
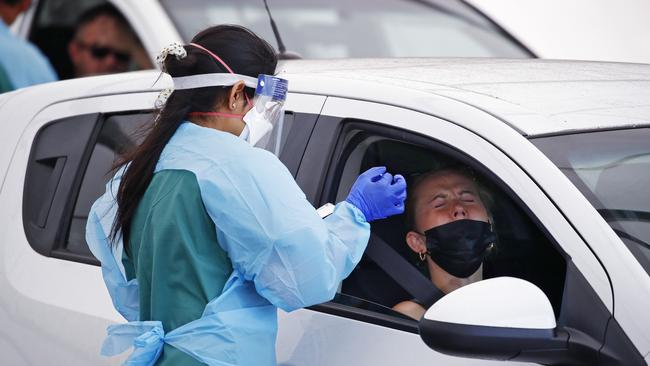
[[53, 28], [522, 249], [614, 177], [368, 28], [117, 135], [63, 180]]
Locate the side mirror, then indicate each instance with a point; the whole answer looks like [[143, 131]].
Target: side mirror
[[501, 318]]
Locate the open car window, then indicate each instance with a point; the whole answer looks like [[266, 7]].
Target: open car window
[[522, 249]]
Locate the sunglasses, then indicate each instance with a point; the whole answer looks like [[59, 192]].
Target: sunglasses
[[100, 53]]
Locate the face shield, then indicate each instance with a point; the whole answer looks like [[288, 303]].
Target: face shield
[[265, 120]]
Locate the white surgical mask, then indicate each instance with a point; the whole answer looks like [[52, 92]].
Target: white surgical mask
[[259, 123], [244, 133]]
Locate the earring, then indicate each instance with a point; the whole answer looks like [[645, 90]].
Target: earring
[[234, 106], [423, 256]]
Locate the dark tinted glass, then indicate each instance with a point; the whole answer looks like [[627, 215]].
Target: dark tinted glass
[[117, 135]]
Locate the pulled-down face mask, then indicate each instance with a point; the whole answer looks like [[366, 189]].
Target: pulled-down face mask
[[459, 247], [264, 121]]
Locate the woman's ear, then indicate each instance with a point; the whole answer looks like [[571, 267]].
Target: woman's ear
[[73, 52], [236, 96], [416, 242]]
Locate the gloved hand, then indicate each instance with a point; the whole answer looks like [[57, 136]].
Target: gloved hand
[[378, 194]]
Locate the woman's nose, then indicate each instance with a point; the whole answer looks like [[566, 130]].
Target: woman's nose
[[459, 211]]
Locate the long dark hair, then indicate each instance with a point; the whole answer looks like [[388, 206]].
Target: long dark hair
[[243, 51]]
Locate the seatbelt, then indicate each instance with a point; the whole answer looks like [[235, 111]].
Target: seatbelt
[[403, 272]]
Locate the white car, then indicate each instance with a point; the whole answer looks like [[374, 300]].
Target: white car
[[563, 146], [314, 29]]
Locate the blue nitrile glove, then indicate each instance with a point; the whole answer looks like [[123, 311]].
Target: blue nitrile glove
[[378, 194]]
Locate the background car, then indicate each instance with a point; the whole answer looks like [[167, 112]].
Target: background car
[[599, 30], [308, 29], [563, 146]]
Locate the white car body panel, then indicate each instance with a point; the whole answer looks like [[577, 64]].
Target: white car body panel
[[368, 90], [317, 339], [601, 95]]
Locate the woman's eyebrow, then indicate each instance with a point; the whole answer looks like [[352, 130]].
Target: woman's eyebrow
[[470, 191]]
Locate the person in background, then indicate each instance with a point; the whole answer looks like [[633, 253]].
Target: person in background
[[104, 43], [21, 63], [450, 230]]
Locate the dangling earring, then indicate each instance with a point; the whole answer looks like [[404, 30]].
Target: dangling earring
[[423, 256], [492, 245]]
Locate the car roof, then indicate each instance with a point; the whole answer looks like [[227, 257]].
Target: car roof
[[536, 97]]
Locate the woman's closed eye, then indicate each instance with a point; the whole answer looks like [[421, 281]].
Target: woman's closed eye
[[439, 201], [468, 196]]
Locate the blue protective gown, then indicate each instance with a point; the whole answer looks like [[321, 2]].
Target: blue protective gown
[[283, 254], [22, 62]]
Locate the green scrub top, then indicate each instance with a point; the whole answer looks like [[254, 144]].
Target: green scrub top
[[174, 254]]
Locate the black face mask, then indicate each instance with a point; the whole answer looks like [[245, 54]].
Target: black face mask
[[459, 247]]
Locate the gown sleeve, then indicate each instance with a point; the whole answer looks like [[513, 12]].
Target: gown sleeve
[[124, 293], [273, 235]]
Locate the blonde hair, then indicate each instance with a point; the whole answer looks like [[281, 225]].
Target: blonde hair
[[484, 194]]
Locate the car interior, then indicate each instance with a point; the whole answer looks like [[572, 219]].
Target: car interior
[[53, 28], [522, 249]]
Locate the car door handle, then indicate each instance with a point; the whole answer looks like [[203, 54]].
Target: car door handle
[[57, 164]]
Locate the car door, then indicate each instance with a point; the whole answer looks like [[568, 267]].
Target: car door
[[358, 326], [54, 306]]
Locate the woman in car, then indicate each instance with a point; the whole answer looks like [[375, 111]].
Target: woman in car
[[202, 236], [450, 230]]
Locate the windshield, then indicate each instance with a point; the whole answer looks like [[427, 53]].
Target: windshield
[[612, 169], [361, 28]]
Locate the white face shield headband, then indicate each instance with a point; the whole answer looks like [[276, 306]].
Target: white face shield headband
[[264, 121]]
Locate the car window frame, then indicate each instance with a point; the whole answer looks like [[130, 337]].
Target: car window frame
[[53, 240], [338, 130], [326, 141]]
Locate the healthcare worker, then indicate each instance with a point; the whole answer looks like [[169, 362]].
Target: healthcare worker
[[202, 235]]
